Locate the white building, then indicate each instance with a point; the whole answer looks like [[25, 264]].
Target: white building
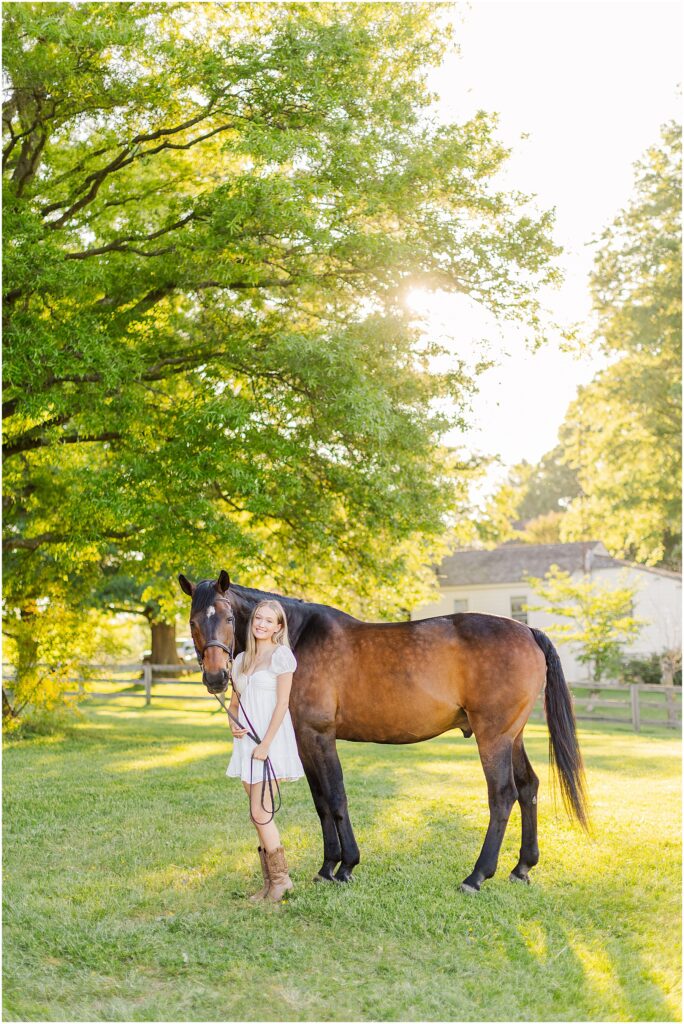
[[494, 582]]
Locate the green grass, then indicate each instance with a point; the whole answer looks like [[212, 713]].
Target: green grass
[[128, 855]]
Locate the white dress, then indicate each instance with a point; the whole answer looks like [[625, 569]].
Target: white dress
[[258, 696]]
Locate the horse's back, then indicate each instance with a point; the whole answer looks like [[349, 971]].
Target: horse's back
[[407, 681]]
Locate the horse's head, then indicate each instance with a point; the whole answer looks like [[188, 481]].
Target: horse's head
[[212, 624]]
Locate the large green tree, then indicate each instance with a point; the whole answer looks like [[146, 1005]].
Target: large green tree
[[211, 215]]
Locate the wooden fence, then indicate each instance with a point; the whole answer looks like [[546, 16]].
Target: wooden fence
[[636, 704]]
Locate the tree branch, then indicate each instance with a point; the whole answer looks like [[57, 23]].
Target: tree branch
[[155, 295], [215, 486], [33, 543], [126, 157], [118, 610], [30, 443], [33, 432], [7, 709], [119, 244]]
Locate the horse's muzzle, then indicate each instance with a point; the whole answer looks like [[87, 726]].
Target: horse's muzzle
[[216, 682]]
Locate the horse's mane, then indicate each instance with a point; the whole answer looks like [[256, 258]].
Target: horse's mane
[[205, 595], [287, 602], [267, 594]]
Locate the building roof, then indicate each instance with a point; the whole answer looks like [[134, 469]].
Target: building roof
[[511, 563]]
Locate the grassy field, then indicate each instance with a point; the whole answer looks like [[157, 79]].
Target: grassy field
[[128, 855]]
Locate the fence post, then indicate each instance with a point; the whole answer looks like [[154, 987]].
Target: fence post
[[668, 664], [593, 697], [671, 705], [634, 694], [147, 678]]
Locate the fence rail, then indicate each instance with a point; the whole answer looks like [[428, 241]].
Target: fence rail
[[643, 704]]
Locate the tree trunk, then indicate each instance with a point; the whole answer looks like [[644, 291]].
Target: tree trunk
[[7, 709], [164, 646]]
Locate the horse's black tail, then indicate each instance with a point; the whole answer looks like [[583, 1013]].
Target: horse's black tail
[[564, 752]]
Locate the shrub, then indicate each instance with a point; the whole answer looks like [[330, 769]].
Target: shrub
[[647, 669]]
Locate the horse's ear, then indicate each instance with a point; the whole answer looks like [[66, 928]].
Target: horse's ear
[[186, 586], [223, 582]]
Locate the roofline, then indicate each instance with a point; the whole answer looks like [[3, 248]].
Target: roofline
[[523, 582], [622, 564], [482, 586]]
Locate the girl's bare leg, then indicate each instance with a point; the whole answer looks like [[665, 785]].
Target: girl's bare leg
[[269, 836]]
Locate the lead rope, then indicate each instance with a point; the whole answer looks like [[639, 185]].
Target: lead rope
[[269, 776]]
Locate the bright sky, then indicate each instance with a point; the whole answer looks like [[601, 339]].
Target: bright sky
[[590, 83]]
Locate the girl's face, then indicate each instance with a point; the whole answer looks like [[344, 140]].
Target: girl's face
[[265, 624]]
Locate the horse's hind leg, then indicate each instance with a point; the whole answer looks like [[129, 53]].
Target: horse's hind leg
[[497, 763], [527, 784]]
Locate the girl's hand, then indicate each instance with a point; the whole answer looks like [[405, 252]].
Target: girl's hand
[[237, 733], [260, 753]]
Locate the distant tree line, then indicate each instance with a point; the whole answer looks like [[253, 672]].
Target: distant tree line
[[615, 474]]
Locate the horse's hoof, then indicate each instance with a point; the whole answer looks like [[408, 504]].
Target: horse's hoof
[[324, 878], [466, 887], [343, 877], [525, 879]]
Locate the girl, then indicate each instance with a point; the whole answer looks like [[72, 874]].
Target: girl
[[263, 679]]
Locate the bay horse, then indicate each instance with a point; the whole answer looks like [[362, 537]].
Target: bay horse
[[403, 682]]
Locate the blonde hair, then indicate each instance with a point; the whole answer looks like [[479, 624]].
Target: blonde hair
[[280, 636]]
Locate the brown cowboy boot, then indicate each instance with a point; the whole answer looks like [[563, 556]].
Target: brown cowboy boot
[[263, 893], [278, 872]]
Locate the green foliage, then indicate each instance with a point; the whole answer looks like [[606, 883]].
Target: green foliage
[[59, 720], [601, 619], [548, 487], [529, 506], [47, 642], [636, 284], [622, 436], [647, 670], [543, 529], [494, 523], [212, 213], [628, 462]]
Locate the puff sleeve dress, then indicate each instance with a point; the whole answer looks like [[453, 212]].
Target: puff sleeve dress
[[258, 692]]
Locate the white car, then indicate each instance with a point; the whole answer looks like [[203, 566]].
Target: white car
[[186, 649]]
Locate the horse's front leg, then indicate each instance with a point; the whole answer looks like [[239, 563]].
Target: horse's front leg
[[319, 751], [332, 850]]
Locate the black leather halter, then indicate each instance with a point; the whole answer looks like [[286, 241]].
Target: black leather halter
[[214, 643]]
